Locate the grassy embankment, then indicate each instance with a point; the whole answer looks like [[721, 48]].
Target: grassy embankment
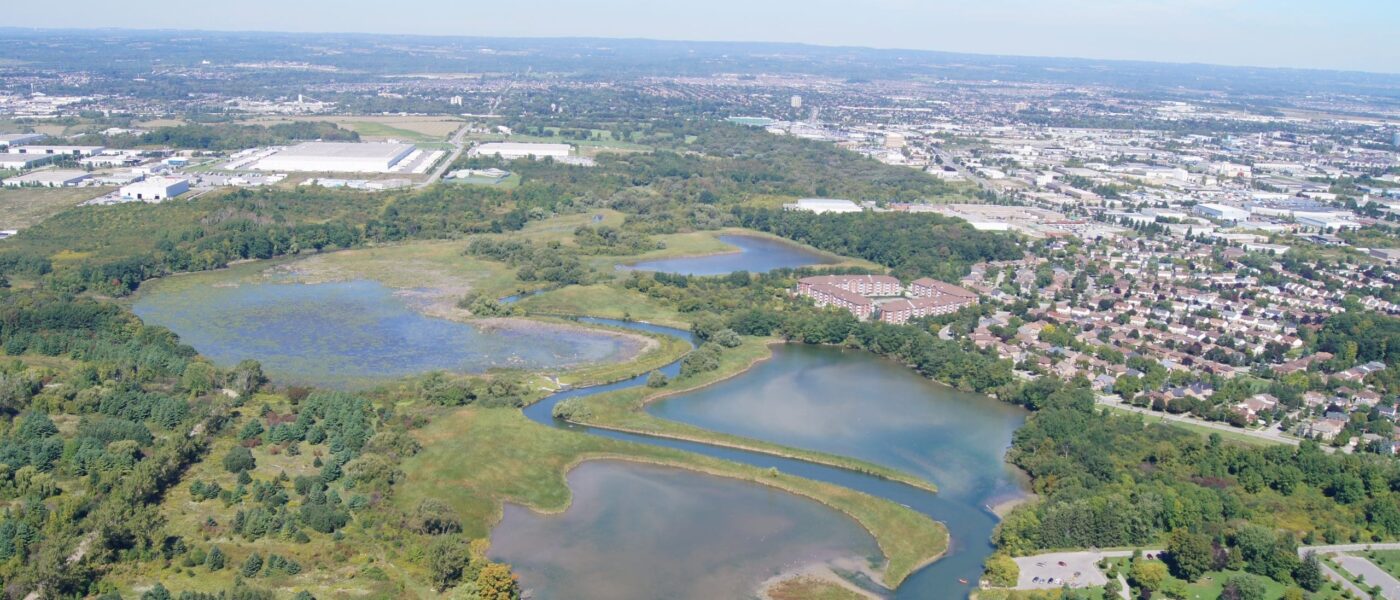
[[478, 459], [623, 410]]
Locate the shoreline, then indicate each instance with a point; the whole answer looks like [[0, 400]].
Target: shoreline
[[824, 572], [768, 448], [878, 576]]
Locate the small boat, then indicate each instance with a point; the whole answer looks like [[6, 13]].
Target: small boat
[[962, 581]]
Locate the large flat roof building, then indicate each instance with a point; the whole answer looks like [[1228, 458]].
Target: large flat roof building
[[824, 205], [514, 150], [336, 157], [55, 150], [19, 139], [156, 189], [48, 179]]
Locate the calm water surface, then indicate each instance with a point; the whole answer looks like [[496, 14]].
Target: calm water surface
[[644, 532], [854, 403], [351, 333], [755, 255]]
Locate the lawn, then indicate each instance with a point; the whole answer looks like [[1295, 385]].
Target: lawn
[[26, 207], [477, 459], [379, 127]]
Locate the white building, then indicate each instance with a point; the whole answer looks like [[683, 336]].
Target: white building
[[48, 179], [156, 189], [824, 205], [8, 140], [514, 150], [1323, 221], [55, 150], [337, 157], [1221, 212]]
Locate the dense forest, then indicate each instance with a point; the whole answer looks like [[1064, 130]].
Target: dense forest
[[911, 245]]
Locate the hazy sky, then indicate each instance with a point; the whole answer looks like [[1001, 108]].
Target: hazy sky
[[1338, 34]]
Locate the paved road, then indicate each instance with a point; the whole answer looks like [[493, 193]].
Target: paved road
[[1371, 574], [1272, 435], [451, 158]]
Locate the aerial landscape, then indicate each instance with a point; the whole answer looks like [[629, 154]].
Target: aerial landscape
[[1078, 300]]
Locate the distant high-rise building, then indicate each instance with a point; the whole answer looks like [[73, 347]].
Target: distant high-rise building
[[1396, 139], [796, 101], [456, 101]]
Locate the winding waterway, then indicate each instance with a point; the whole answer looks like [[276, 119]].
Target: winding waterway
[[854, 403], [755, 255]]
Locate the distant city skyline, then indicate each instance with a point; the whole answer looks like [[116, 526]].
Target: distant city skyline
[[1357, 35]]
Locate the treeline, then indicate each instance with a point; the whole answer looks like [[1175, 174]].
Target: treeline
[[118, 247], [533, 262], [1113, 480], [231, 137], [911, 245]]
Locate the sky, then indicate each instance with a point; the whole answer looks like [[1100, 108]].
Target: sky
[[1361, 35]]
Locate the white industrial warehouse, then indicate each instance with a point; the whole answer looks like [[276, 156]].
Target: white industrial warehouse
[[514, 150], [156, 189], [337, 157]]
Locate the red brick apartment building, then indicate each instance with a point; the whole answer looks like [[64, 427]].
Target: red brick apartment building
[[829, 295], [899, 311], [932, 288], [865, 285]]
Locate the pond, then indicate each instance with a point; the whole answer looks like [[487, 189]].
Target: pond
[[755, 255], [857, 404], [354, 333], [720, 538]]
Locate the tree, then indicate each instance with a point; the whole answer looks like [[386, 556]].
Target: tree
[[1002, 571], [239, 459], [156, 593], [726, 337], [1309, 573], [252, 566], [198, 378], [451, 556], [496, 582], [1244, 587], [1190, 554], [247, 377], [215, 559], [1148, 575], [435, 517], [656, 379]]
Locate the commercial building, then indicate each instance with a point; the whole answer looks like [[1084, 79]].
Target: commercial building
[[514, 150], [1221, 212], [824, 205], [156, 189], [8, 140], [55, 150], [1327, 221], [336, 157], [48, 179], [23, 162]]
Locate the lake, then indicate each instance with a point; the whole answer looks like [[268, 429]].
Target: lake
[[352, 334], [755, 255], [719, 538], [854, 403]]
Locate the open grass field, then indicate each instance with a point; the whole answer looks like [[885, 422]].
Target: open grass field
[[604, 301], [26, 207], [412, 128], [478, 459], [1238, 437], [439, 266]]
